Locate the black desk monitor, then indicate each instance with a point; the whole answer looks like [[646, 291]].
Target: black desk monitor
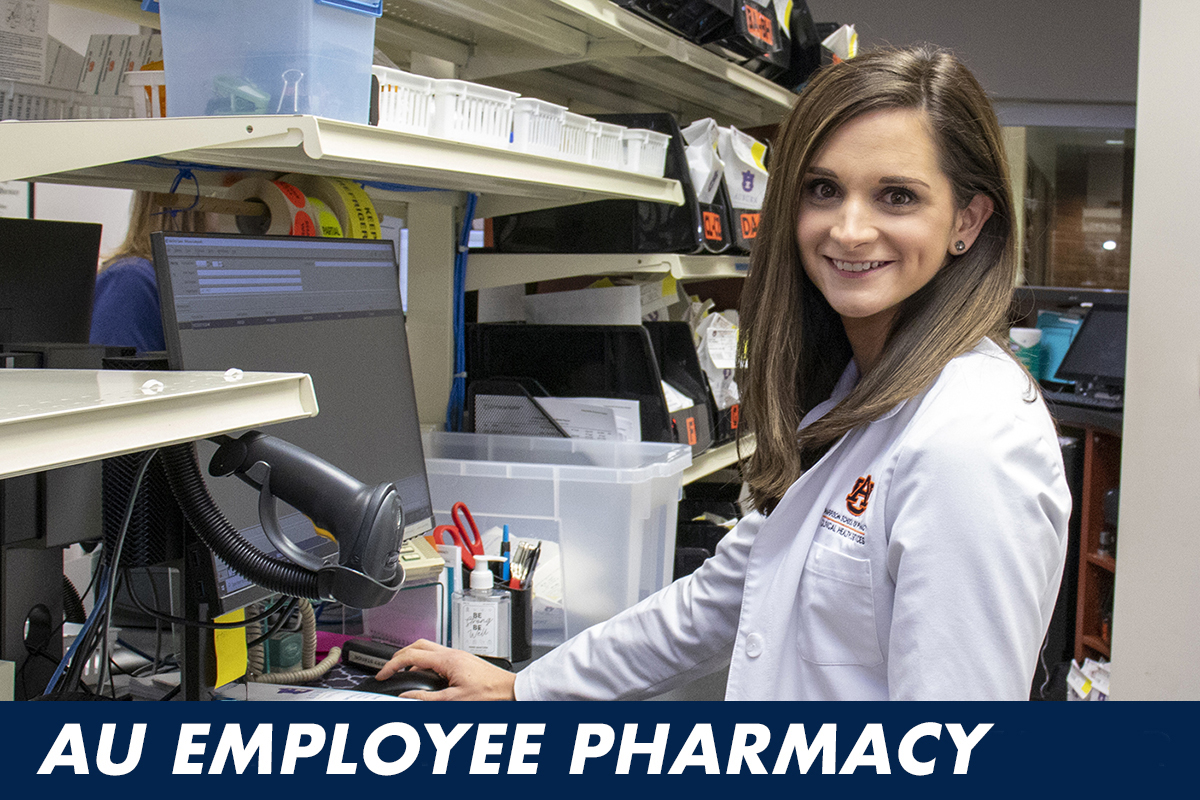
[[1096, 358], [47, 279], [328, 307]]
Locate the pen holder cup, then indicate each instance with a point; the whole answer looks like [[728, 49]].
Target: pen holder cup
[[522, 624]]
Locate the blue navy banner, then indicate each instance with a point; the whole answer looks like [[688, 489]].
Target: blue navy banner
[[194, 749]]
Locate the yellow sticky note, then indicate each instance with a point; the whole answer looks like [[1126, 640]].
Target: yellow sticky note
[[229, 645]]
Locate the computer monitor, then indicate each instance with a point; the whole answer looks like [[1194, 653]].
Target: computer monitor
[[1095, 361], [327, 307], [47, 278]]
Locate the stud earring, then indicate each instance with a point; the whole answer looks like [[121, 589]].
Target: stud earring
[[959, 246]]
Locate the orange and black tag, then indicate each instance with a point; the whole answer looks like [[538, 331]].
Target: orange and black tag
[[691, 430], [734, 413], [750, 225], [712, 226], [759, 25]]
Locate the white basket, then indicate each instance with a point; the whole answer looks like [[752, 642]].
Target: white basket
[[577, 138], [607, 147], [537, 126], [33, 101], [405, 100], [645, 151], [469, 112], [148, 91]]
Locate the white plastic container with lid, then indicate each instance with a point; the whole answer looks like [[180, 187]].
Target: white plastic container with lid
[[471, 112], [537, 126], [269, 57], [609, 507]]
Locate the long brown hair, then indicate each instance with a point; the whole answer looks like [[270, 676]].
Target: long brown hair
[[793, 345], [145, 217]]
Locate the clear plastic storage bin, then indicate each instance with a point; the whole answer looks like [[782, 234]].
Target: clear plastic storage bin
[[269, 57], [405, 100], [471, 112], [610, 507], [537, 126], [608, 149], [645, 151]]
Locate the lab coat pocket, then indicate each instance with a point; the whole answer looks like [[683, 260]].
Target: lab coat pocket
[[836, 610]]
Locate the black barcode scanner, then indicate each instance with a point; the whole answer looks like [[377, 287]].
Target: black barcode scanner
[[367, 522]]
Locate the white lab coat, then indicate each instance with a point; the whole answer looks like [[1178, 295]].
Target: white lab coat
[[941, 586]]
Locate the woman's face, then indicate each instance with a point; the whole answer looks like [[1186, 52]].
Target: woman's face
[[878, 219]]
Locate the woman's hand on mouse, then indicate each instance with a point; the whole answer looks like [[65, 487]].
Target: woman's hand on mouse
[[470, 677]]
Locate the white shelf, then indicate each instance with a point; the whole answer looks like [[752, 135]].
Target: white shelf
[[55, 418], [98, 152], [488, 270], [717, 458]]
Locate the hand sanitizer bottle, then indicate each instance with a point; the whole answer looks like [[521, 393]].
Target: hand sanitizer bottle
[[483, 614]]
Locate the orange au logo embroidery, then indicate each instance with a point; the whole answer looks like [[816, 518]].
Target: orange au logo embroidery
[[856, 501]]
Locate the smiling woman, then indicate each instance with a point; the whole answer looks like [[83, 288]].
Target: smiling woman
[[878, 219], [912, 508]]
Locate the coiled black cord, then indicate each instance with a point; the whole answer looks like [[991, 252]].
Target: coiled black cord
[[187, 486]]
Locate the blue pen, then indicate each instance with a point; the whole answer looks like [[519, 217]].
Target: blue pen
[[504, 552]]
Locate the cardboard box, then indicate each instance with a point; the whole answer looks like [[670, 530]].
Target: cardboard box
[[93, 61], [68, 64], [113, 65]]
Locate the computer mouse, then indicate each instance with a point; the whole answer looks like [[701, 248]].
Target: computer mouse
[[410, 680]]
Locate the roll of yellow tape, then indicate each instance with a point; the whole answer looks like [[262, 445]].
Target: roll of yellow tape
[[288, 210], [346, 199], [327, 222]]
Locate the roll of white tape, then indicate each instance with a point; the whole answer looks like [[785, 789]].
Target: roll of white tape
[[288, 209], [346, 199]]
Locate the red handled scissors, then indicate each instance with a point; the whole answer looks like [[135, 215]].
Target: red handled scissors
[[466, 536]]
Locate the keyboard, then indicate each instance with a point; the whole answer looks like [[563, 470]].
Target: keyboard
[[1084, 400]]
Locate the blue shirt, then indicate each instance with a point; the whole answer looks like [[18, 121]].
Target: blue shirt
[[125, 309]]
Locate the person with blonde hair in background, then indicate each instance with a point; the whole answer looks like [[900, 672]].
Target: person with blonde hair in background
[[911, 507], [125, 309]]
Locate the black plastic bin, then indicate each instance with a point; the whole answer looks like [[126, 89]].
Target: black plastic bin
[[625, 226]]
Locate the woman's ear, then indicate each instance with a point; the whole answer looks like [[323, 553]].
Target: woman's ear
[[969, 222]]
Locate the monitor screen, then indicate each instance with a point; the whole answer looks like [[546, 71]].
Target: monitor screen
[[47, 278], [327, 307], [1097, 353]]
